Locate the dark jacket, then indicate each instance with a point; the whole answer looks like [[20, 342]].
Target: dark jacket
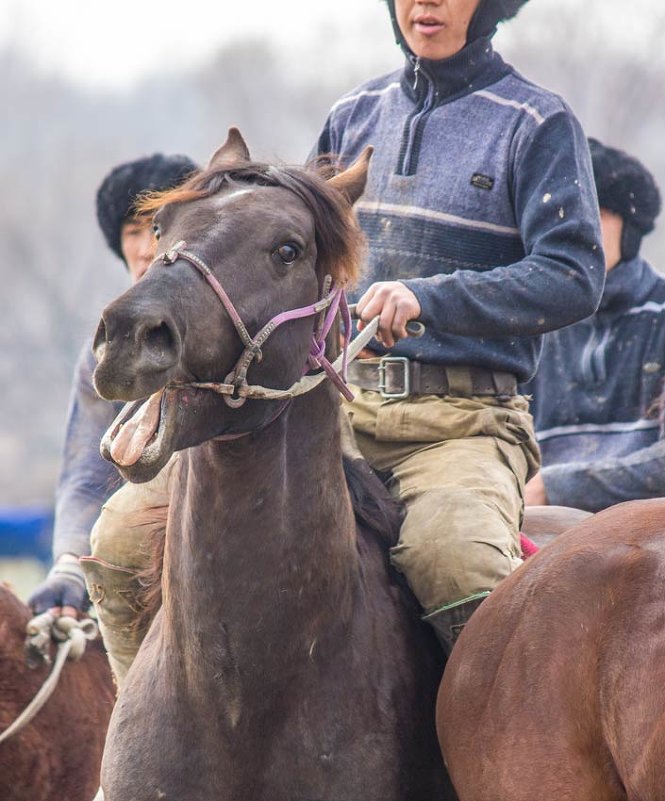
[[480, 198], [595, 396], [86, 480]]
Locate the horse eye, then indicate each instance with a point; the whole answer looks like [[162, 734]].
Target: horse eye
[[156, 231], [288, 253]]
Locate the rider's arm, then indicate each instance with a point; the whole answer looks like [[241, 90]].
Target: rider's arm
[[86, 479], [596, 485], [560, 279], [86, 482]]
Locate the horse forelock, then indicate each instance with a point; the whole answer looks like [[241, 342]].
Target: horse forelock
[[339, 240]]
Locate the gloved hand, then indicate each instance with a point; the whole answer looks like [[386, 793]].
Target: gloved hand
[[64, 587]]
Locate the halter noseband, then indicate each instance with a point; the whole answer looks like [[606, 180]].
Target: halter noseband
[[235, 388]]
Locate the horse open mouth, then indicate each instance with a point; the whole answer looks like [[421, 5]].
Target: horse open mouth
[[140, 439]]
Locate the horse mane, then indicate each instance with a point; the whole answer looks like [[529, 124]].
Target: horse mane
[[376, 512], [373, 506], [339, 241], [149, 596], [379, 517]]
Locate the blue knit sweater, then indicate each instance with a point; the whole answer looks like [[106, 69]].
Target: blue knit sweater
[[86, 479], [595, 395], [480, 198]]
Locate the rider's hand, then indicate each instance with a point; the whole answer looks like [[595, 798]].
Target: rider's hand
[[395, 303], [535, 493], [63, 591]]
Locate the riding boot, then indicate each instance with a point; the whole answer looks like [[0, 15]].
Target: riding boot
[[114, 592], [449, 620]]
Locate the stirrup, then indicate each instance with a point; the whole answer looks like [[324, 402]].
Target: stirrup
[[449, 620]]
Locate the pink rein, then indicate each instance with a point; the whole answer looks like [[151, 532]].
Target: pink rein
[[326, 307]]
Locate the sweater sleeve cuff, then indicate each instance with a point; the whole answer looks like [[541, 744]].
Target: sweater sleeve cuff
[[424, 291], [76, 543], [563, 486]]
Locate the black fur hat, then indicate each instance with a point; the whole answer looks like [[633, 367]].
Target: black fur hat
[[627, 188], [120, 189], [489, 14]]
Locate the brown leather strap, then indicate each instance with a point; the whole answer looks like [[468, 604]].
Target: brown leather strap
[[397, 377]]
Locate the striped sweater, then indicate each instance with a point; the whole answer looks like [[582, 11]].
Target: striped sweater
[[595, 396], [86, 480], [480, 199]]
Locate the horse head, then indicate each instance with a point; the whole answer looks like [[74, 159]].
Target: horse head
[[241, 244]]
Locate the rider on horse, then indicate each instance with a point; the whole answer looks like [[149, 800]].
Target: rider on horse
[[86, 480], [600, 434], [482, 222]]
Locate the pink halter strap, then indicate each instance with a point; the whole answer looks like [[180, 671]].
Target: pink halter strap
[[333, 300]]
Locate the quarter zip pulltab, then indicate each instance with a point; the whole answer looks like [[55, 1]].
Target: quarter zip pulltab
[[416, 72]]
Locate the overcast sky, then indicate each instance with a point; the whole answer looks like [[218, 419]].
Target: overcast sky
[[114, 43]]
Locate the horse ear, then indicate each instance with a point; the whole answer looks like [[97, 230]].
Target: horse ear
[[233, 150], [352, 181]]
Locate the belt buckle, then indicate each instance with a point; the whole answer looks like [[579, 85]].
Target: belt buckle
[[384, 363]]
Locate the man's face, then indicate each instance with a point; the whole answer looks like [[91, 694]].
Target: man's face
[[138, 245], [435, 29], [611, 228]]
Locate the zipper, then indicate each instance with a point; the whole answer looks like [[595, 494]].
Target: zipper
[[594, 367], [412, 134]]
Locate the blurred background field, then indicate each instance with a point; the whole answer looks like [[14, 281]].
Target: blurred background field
[[84, 87]]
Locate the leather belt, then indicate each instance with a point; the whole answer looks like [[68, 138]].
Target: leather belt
[[399, 377]]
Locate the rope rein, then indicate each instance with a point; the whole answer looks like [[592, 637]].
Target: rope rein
[[72, 636]]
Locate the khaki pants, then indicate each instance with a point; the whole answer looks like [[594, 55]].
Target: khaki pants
[[128, 520], [459, 465], [121, 542]]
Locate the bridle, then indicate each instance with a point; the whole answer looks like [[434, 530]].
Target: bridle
[[235, 389]]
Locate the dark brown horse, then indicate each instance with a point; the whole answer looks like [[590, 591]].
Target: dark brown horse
[[555, 690], [57, 755], [285, 663]]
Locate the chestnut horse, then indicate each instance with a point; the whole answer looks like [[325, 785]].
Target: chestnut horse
[[57, 755], [554, 691], [285, 663], [543, 523]]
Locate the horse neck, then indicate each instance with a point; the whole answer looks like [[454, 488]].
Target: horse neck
[[262, 553]]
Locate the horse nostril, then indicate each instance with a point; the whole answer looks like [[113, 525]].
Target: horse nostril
[[159, 338], [159, 344], [99, 342]]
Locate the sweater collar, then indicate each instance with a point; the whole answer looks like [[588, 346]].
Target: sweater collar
[[474, 67], [628, 284]]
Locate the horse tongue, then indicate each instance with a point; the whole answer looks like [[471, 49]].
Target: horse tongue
[[135, 434]]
